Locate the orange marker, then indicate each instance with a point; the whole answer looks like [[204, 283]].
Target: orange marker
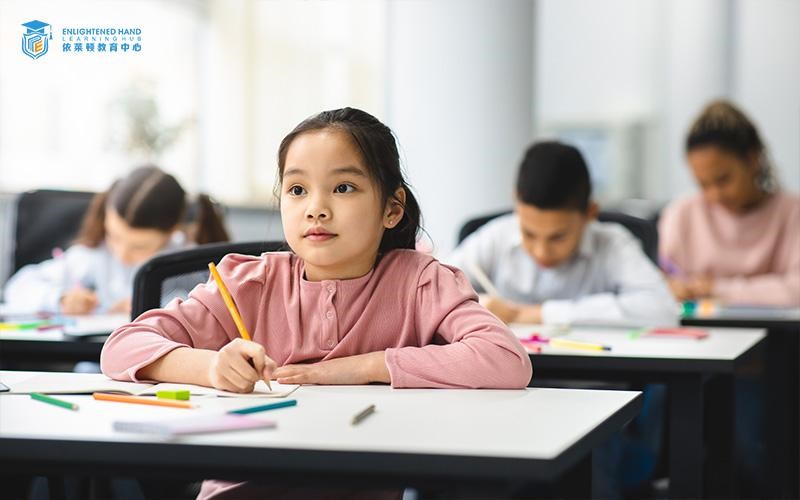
[[119, 398]]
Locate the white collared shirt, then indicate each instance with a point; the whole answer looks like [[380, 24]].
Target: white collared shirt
[[608, 279], [39, 287]]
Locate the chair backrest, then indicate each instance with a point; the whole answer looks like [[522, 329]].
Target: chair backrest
[[46, 219], [174, 274], [646, 231]]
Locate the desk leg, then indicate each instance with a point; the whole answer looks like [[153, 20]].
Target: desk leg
[[686, 436], [577, 482], [781, 418], [574, 483], [720, 470]]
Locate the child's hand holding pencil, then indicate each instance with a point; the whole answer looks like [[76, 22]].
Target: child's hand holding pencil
[[240, 364], [506, 311]]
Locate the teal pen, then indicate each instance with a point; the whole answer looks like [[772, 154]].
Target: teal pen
[[270, 406]]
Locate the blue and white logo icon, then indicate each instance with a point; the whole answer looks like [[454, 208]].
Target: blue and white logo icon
[[35, 40]]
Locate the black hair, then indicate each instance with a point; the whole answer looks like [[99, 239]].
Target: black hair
[[376, 144], [554, 176], [721, 124]]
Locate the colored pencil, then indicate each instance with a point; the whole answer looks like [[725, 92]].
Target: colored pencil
[[119, 398], [44, 398], [366, 412], [269, 406], [226, 296]]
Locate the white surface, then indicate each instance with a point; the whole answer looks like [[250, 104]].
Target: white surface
[[87, 383], [33, 334], [95, 324], [459, 76], [531, 423], [721, 343], [79, 326], [662, 61]]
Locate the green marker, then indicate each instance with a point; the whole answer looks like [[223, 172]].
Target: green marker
[[688, 308], [53, 401], [635, 334]]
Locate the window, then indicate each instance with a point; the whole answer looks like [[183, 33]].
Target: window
[[214, 89]]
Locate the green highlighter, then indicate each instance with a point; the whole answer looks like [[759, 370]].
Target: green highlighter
[[182, 395], [44, 398]]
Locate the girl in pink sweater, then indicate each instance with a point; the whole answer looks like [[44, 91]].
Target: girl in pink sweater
[[738, 240], [353, 303]]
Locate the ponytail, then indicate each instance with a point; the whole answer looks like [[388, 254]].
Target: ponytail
[[93, 226], [207, 226]]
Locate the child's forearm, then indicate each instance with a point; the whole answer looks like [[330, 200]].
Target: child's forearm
[[182, 365], [378, 371], [529, 314]]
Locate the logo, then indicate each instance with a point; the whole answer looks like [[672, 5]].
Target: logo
[[35, 41]]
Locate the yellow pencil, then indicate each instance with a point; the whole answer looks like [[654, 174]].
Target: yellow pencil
[[226, 296], [575, 344]]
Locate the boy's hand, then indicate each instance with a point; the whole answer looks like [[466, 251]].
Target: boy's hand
[[121, 307], [506, 311], [701, 286], [79, 300], [239, 365], [352, 370], [680, 289]]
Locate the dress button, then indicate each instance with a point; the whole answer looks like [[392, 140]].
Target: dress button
[[331, 343], [331, 288], [329, 314]]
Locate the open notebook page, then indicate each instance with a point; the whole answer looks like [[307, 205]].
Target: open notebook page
[[87, 383]]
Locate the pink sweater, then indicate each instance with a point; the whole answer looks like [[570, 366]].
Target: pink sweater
[[754, 258], [424, 314]]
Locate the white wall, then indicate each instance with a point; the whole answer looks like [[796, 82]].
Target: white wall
[[660, 62], [767, 78], [459, 79]]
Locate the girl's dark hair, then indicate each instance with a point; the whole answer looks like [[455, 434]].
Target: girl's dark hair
[[723, 125], [149, 198], [378, 150]]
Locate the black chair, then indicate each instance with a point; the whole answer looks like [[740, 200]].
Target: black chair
[[46, 219], [645, 231], [174, 274]]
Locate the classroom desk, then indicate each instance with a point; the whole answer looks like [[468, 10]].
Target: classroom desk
[[782, 379], [686, 366], [491, 439], [38, 349], [56, 348]]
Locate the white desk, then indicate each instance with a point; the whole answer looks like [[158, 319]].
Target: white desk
[[35, 349], [415, 436], [685, 366], [722, 347]]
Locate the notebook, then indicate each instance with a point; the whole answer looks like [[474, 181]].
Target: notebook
[[201, 424], [87, 383], [96, 324]]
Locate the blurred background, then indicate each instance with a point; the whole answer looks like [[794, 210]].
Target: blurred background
[[465, 84]]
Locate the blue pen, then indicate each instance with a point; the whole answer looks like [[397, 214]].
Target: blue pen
[[270, 406]]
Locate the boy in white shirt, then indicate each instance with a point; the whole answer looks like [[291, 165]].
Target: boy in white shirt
[[552, 262]]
